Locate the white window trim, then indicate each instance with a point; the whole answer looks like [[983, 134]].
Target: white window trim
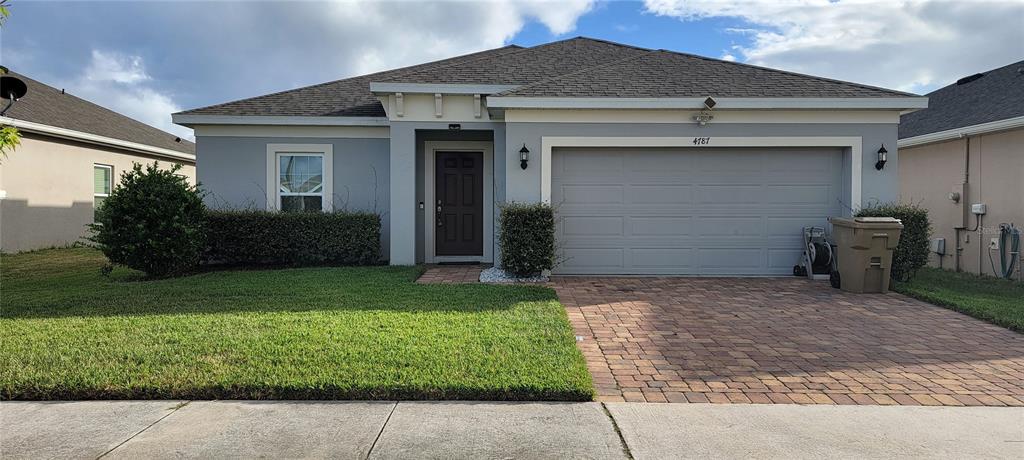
[[275, 150], [111, 177], [855, 144], [429, 219]]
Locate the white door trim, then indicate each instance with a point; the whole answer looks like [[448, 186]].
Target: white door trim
[[855, 144], [429, 217]]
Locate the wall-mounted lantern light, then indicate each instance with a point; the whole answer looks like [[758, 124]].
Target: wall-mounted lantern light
[[524, 156], [881, 158]]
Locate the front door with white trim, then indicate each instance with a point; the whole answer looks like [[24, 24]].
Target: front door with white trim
[[458, 202]]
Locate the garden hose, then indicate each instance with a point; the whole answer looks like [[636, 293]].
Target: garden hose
[[1009, 238]]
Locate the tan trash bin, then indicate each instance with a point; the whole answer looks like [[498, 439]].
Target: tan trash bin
[[864, 248]]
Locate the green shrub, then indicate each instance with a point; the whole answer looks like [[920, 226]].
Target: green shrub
[[151, 222], [251, 238], [527, 238], [912, 252]]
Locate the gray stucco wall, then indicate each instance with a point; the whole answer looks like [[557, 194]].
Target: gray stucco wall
[[877, 185], [233, 170]]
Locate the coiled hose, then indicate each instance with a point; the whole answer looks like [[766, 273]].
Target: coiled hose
[[1009, 238]]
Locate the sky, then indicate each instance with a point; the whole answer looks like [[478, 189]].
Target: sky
[[148, 59]]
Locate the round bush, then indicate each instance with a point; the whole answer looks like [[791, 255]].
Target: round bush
[[152, 222], [912, 251]]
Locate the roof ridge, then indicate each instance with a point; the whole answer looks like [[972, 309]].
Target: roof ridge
[[64, 92], [567, 75], [831, 80], [525, 49], [354, 77]]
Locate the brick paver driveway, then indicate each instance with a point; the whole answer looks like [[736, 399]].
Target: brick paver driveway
[[785, 340]]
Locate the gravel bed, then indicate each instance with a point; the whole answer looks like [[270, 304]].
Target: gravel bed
[[497, 275]]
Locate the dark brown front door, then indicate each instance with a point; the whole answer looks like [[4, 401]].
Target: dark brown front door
[[459, 204]]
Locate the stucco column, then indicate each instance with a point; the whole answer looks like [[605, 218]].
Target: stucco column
[[403, 195]]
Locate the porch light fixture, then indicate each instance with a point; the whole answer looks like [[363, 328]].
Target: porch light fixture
[[881, 158], [524, 156]]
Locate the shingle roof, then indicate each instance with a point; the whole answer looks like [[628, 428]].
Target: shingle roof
[[997, 95], [47, 105], [349, 97], [577, 67], [664, 73]]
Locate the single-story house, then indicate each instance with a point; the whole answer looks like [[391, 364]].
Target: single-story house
[[967, 149], [658, 162], [72, 152]]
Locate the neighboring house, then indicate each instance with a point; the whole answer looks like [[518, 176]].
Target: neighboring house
[[71, 154], [968, 148], [611, 137]]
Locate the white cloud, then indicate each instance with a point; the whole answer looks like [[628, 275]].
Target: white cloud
[[383, 35], [728, 57], [120, 83], [913, 45]]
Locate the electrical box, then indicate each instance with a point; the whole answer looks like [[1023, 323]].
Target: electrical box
[[938, 246], [993, 244], [957, 199], [979, 209]]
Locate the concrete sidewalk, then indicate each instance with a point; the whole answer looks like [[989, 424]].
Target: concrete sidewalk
[[358, 430]]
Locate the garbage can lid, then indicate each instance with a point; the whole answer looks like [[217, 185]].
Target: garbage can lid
[[878, 220]]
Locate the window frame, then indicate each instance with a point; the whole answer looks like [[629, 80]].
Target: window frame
[[276, 151], [110, 184]]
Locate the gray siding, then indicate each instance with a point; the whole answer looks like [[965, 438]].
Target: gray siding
[[233, 170]]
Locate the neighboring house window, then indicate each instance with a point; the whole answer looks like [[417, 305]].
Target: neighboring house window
[[299, 177], [301, 181], [102, 181]]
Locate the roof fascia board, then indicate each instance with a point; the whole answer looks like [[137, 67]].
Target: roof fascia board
[[887, 103], [188, 120], [96, 139], [956, 133], [442, 88]]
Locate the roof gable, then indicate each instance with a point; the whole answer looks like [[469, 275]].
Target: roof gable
[[997, 95], [46, 105]]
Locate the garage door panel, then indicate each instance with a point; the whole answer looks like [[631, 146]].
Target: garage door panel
[[579, 226], [659, 226], [706, 212]]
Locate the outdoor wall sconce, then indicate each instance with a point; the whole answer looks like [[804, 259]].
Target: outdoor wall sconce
[[524, 156], [881, 158]]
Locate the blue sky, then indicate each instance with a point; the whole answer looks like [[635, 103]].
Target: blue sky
[[148, 59]]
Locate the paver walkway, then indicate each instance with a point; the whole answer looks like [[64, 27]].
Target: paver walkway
[[785, 340], [451, 274]]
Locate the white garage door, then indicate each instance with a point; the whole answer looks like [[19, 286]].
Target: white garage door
[[690, 211]]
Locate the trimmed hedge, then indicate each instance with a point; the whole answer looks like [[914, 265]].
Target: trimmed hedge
[[253, 238], [912, 252], [151, 222], [527, 238]]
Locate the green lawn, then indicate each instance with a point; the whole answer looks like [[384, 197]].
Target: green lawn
[[67, 332], [995, 300]]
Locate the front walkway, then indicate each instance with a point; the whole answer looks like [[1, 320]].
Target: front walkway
[[451, 274], [785, 340], [361, 430]]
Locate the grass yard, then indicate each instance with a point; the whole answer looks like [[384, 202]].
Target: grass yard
[[67, 332], [995, 300]]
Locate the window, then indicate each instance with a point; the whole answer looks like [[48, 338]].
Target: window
[[301, 181], [102, 181], [299, 177]]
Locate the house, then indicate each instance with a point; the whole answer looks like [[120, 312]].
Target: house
[[71, 154], [658, 162], [967, 148]]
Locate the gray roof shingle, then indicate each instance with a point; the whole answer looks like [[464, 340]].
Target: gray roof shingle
[[47, 105], [348, 97], [664, 74], [997, 95], [577, 67]]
